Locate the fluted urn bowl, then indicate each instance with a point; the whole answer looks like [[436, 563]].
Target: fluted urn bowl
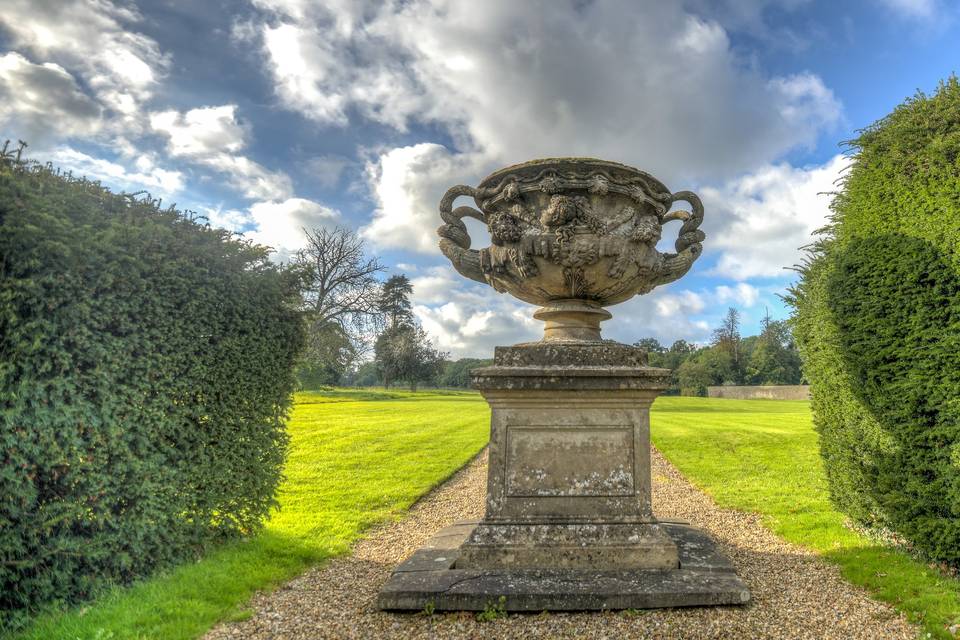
[[573, 235]]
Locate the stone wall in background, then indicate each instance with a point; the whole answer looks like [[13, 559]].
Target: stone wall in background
[[762, 392]]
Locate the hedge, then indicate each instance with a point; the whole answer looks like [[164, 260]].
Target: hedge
[[146, 366], [896, 302], [876, 320]]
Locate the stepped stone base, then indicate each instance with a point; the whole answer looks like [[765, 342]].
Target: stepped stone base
[[596, 547], [433, 576]]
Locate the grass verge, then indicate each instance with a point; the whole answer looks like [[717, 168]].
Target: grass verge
[[762, 456], [356, 459]]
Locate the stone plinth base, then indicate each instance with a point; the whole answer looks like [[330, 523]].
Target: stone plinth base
[[599, 547], [432, 578]]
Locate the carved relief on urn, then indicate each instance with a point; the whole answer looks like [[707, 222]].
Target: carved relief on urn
[[573, 235]]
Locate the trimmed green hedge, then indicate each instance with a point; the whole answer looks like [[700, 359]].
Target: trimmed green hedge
[[146, 366], [877, 320]]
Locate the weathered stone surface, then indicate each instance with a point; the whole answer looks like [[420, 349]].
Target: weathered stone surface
[[605, 353], [565, 458], [572, 234], [600, 547], [704, 577]]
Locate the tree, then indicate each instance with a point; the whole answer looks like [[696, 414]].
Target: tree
[[682, 347], [405, 353], [775, 359], [341, 296], [394, 301], [363, 376], [327, 357], [726, 338], [457, 372], [650, 345], [694, 377]]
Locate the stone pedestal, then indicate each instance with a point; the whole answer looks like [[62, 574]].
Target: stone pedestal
[[568, 522], [569, 475]]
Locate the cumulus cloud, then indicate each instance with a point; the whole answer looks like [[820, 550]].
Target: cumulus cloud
[[225, 218], [408, 182], [213, 137], [742, 294], [91, 37], [40, 100], [469, 320], [144, 175], [280, 224], [650, 84], [759, 222]]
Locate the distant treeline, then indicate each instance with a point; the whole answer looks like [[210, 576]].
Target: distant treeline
[[769, 358], [452, 374]]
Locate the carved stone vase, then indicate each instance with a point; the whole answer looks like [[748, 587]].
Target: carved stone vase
[[569, 522]]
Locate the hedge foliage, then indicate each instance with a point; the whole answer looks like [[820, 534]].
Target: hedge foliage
[[877, 320], [146, 366]]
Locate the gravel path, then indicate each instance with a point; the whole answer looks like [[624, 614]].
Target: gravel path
[[795, 594]]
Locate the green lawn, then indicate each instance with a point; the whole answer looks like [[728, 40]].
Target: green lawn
[[761, 456], [358, 458]]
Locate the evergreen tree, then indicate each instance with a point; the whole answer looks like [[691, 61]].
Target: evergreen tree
[[394, 302], [403, 351]]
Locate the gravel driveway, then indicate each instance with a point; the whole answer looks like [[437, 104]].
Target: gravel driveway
[[795, 594]]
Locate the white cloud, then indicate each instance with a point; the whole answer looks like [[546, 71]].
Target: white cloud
[[649, 84], [213, 137], [201, 132], [669, 305], [760, 221], [408, 184], [280, 224], [91, 38], [230, 219], [147, 175], [276, 224], [38, 101], [744, 294]]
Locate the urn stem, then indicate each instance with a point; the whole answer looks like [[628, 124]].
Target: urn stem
[[572, 320]]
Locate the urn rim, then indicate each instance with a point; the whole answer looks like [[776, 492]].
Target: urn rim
[[532, 168]]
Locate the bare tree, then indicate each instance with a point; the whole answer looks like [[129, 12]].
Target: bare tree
[[339, 282]]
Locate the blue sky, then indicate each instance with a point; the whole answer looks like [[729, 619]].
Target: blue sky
[[271, 115]]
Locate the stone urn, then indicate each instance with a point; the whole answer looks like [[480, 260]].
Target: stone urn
[[569, 522], [573, 235]]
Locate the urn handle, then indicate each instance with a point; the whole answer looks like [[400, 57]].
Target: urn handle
[[690, 237], [454, 238], [689, 240]]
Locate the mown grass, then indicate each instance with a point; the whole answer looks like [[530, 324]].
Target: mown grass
[[362, 457], [356, 459], [762, 456]]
